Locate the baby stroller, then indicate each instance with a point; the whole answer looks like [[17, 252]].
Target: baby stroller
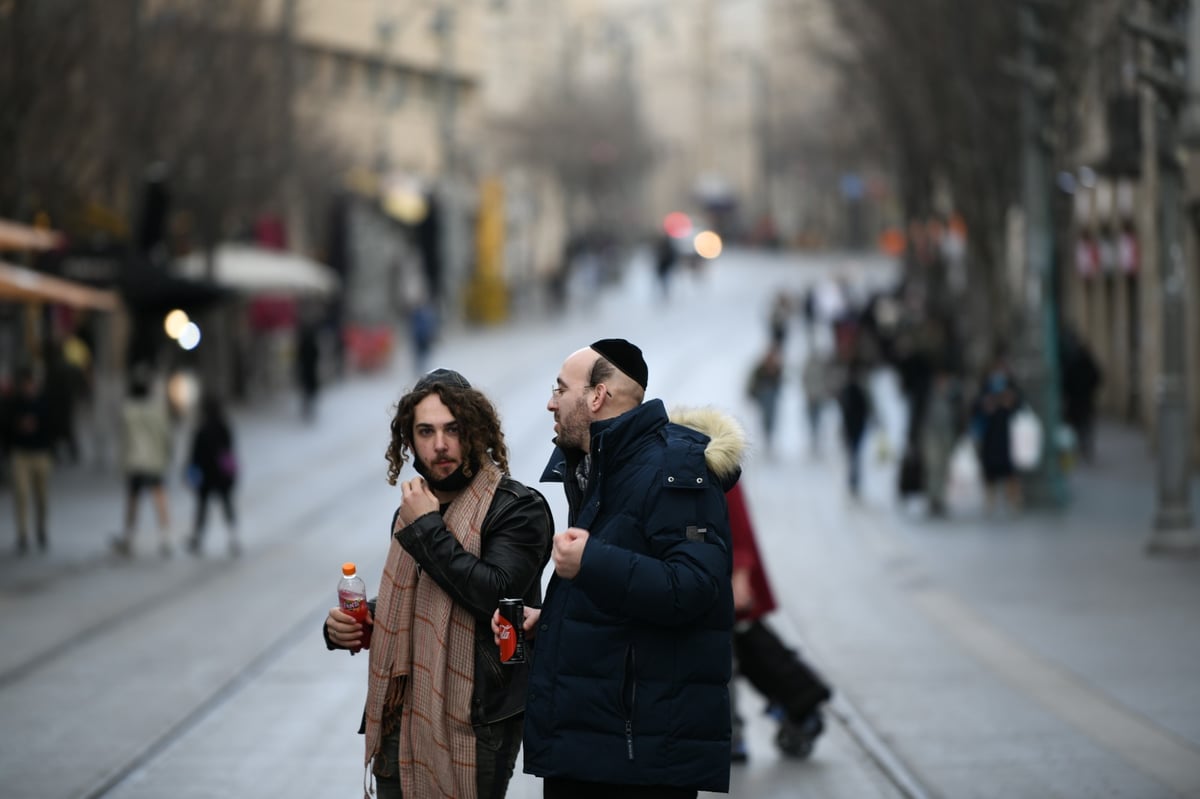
[[794, 691]]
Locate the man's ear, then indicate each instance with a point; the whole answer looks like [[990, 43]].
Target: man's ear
[[601, 394]]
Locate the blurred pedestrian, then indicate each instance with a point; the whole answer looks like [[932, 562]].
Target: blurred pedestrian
[[939, 435], [60, 387], [763, 386], [212, 471], [665, 256], [30, 437], [641, 593], [77, 358], [815, 379], [994, 406], [915, 368], [780, 317], [855, 403], [308, 368], [845, 322], [423, 324], [1081, 378], [559, 281], [145, 456], [792, 688], [443, 716], [808, 310]]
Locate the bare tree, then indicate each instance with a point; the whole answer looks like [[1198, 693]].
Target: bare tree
[[934, 83], [92, 93], [56, 135]]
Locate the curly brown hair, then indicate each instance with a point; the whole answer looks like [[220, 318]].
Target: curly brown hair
[[478, 424]]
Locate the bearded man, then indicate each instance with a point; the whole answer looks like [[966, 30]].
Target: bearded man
[[443, 716], [631, 660]]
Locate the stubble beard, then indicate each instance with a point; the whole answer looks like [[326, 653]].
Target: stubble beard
[[574, 428], [455, 481]]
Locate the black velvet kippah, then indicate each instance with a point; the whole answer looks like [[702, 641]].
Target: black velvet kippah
[[626, 357], [447, 377]]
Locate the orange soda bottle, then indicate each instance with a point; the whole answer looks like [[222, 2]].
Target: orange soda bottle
[[352, 596]]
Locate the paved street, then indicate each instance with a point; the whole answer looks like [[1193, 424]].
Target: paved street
[[1043, 655]]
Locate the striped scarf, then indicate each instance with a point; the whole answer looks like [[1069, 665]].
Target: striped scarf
[[422, 659]]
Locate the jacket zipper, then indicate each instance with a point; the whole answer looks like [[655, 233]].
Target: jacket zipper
[[630, 674]]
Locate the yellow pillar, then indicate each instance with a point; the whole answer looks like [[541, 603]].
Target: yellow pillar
[[487, 294]]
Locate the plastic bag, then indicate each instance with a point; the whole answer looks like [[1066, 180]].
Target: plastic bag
[[964, 464], [883, 445], [1025, 438]]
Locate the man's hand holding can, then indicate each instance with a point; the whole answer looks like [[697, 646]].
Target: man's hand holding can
[[528, 627]]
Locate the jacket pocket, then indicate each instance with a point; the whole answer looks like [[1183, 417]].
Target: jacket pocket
[[491, 656]]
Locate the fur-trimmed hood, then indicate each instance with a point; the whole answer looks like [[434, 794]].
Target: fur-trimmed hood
[[722, 454], [727, 438]]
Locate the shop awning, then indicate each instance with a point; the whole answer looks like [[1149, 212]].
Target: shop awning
[[25, 285], [14, 236], [255, 270]]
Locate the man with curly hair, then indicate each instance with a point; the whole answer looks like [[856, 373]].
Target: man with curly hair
[[443, 716]]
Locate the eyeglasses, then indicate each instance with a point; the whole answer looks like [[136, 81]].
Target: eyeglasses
[[558, 391]]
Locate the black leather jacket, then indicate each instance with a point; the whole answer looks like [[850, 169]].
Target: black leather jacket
[[514, 549]]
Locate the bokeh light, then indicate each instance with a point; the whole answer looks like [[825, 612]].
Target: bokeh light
[[707, 244], [189, 337], [175, 322], [677, 224]]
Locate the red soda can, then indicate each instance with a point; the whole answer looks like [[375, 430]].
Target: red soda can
[[512, 631]]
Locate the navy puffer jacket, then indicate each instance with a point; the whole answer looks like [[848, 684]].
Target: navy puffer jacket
[[631, 659]]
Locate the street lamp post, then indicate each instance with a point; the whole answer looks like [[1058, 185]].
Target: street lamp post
[[452, 232], [762, 134], [1173, 532], [1047, 486]]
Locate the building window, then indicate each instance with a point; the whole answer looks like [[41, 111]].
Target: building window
[[309, 68], [374, 78], [399, 92], [343, 75]]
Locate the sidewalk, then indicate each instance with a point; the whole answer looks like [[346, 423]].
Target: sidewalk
[[1041, 630]]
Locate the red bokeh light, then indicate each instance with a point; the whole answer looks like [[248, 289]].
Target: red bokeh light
[[677, 224]]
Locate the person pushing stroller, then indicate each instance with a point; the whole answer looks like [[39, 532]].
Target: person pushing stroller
[[794, 691]]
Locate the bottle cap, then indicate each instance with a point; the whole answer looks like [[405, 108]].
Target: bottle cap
[[348, 569]]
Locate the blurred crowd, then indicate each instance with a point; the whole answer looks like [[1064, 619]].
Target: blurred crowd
[[960, 424]]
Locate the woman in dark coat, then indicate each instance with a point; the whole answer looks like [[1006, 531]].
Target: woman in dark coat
[[1081, 377], [212, 469], [855, 402], [996, 403]]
